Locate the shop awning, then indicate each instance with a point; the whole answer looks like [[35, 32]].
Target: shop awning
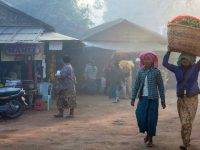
[[20, 34], [126, 46], [30, 35], [54, 36]]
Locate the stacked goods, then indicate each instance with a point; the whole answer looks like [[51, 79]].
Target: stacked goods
[[184, 35], [126, 66]]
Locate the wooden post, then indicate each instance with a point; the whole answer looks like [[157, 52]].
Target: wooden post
[[52, 66], [30, 67]]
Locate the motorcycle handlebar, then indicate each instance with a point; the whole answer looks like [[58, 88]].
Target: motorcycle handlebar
[[22, 92]]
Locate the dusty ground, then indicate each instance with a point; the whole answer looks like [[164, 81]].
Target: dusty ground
[[98, 125]]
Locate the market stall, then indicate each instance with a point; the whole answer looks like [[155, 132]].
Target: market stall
[[23, 62]]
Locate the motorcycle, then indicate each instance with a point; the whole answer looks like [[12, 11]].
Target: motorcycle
[[12, 102]]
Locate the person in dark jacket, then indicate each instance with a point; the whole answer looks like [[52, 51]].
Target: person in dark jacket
[[186, 73], [148, 87], [116, 78]]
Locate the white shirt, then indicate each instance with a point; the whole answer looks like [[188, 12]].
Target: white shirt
[[145, 88], [103, 82], [91, 72]]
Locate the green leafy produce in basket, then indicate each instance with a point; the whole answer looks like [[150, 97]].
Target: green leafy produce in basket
[[187, 21]]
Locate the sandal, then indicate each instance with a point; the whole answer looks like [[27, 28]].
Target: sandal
[[146, 139], [150, 144], [58, 116], [183, 147]]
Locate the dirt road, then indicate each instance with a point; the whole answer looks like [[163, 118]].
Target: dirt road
[[98, 125]]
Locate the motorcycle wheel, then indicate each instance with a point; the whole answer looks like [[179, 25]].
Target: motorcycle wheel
[[18, 109]]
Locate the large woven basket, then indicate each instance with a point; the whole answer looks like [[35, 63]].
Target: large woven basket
[[183, 38]]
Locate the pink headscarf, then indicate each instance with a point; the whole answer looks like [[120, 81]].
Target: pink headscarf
[[149, 55]]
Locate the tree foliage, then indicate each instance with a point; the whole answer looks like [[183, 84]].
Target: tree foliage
[[65, 15]]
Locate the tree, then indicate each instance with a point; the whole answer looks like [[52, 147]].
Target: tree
[[92, 10], [65, 15]]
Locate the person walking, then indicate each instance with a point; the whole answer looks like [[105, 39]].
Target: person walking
[[116, 80], [66, 91], [91, 71], [148, 86], [186, 73]]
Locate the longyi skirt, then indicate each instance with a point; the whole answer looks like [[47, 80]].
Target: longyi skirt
[[147, 115], [66, 100]]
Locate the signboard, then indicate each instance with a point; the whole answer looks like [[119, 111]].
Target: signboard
[[55, 45], [17, 52], [23, 49]]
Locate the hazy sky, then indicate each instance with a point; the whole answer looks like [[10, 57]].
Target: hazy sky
[[153, 14]]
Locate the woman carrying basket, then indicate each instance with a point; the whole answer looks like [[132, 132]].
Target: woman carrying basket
[[186, 74]]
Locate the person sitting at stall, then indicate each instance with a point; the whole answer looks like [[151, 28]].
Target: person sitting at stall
[[66, 91], [186, 74]]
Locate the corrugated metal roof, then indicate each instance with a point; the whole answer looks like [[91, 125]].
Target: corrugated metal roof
[[20, 34], [29, 35], [101, 28], [33, 21], [125, 32], [53, 36]]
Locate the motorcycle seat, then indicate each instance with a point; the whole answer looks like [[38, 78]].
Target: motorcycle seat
[[8, 91]]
